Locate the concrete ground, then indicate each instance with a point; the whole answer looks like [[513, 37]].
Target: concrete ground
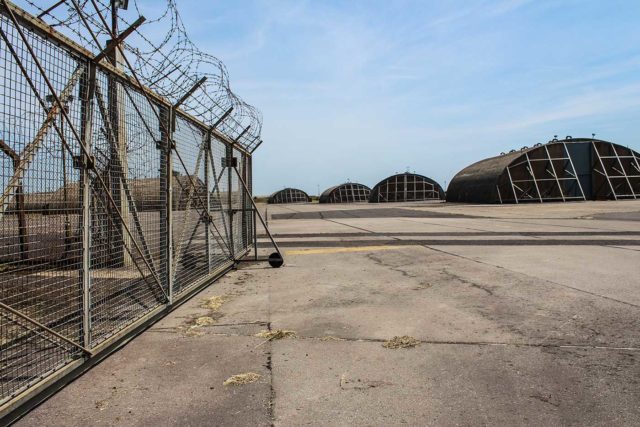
[[526, 315]]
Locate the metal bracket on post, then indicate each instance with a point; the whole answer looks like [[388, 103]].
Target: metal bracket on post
[[189, 93], [221, 119], [50, 9], [229, 162], [113, 44], [235, 141], [82, 161], [256, 147]]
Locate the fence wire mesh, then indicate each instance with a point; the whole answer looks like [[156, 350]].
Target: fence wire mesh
[[114, 203]]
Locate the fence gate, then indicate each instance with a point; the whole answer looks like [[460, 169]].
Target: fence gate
[[116, 205]]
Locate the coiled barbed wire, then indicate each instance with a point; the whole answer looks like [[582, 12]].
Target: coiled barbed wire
[[169, 67]]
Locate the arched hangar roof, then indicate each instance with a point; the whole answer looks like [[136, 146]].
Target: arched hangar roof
[[406, 187], [560, 170], [289, 195], [348, 192]]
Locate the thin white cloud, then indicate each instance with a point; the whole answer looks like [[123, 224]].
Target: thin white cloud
[[443, 85], [583, 106]]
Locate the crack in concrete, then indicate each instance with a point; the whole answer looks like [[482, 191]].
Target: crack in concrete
[[512, 221], [347, 225], [360, 384], [453, 342], [533, 277], [622, 247], [392, 267], [545, 399], [467, 282], [269, 365], [512, 271], [177, 328], [421, 285]]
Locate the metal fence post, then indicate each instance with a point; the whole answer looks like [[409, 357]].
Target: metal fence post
[[87, 87], [166, 190], [245, 214], [171, 126], [208, 218], [254, 224], [229, 161], [86, 255]]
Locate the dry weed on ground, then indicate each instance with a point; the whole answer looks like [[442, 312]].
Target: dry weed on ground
[[213, 303], [331, 338], [404, 341], [241, 379], [276, 334], [204, 321]]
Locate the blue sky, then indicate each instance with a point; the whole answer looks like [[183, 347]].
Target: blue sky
[[358, 90]]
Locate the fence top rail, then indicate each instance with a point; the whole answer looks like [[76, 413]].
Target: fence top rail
[[39, 27]]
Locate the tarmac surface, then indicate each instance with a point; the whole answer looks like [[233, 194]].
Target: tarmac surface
[[526, 315]]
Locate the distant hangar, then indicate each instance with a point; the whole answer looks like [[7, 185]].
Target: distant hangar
[[406, 187], [349, 192], [289, 195], [561, 170]]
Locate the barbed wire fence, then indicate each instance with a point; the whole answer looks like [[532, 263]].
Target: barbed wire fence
[[126, 170], [166, 66]]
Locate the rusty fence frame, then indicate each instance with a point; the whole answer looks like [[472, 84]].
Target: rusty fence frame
[[138, 231]]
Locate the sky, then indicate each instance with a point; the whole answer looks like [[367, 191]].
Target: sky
[[359, 90]]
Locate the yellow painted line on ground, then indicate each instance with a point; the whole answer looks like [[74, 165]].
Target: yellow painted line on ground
[[340, 250]]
